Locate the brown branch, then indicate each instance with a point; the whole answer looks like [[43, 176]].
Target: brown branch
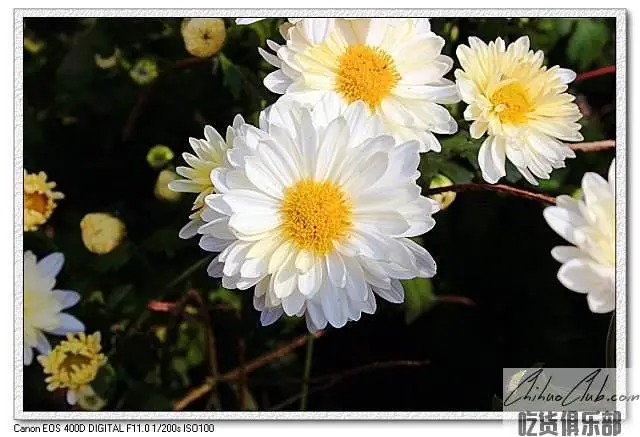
[[335, 378], [145, 94], [506, 189], [609, 69], [211, 345], [594, 146], [450, 298], [242, 386], [233, 375]]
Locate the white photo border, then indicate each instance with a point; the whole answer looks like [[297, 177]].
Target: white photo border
[[621, 207]]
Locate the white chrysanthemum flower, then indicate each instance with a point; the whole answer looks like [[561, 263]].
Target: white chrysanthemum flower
[[394, 65], [522, 106], [209, 155], [316, 213], [590, 225], [43, 305]]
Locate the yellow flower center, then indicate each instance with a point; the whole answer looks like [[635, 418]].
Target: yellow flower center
[[315, 215], [73, 362], [36, 202], [366, 73], [511, 102]]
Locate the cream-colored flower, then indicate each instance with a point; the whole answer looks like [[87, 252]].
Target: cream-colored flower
[[522, 105], [203, 37], [43, 305], [210, 153], [39, 200], [444, 199], [162, 190], [73, 364], [395, 66], [589, 224], [101, 232]]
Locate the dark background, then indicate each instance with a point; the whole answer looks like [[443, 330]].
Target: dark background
[[490, 249]]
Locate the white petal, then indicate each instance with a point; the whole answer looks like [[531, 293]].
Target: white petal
[[311, 281], [244, 21], [66, 298], [42, 344], [262, 178], [566, 75], [213, 244], [72, 397], [395, 294], [580, 276], [565, 253], [336, 269], [67, 323], [190, 229], [601, 302], [28, 355], [277, 82], [270, 315], [249, 224], [491, 160], [50, 265], [293, 303], [332, 301]]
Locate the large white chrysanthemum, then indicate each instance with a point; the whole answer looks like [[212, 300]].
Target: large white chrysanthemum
[[522, 106], [209, 154], [393, 65], [590, 225], [315, 211], [43, 305]]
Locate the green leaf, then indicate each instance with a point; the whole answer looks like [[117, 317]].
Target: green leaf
[[418, 296], [232, 75], [587, 42], [457, 173], [222, 295], [513, 175]]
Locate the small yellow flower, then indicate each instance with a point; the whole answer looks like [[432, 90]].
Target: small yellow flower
[[444, 199], [203, 37], [101, 232], [162, 190], [39, 200], [73, 364], [159, 156], [144, 71]]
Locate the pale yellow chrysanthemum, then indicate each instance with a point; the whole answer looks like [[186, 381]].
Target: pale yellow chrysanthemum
[[210, 153], [162, 190], [394, 65], [39, 200], [520, 104], [101, 232], [444, 199], [203, 37], [73, 364]]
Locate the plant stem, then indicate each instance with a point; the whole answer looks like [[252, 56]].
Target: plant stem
[[178, 279], [304, 393], [233, 375], [548, 200]]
